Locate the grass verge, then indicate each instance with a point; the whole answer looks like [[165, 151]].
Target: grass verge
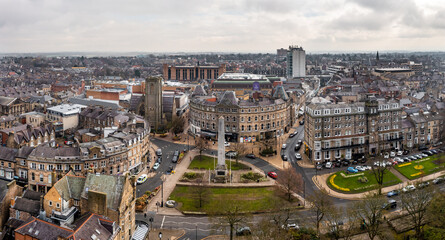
[[208, 163], [422, 167]]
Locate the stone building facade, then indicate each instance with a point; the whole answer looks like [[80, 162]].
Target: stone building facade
[[245, 120], [351, 131]]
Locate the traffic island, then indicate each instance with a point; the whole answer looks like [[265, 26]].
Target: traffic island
[[358, 182]]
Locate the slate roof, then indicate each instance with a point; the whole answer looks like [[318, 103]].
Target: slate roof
[[135, 100], [228, 98], [199, 91], [40, 229], [93, 224], [32, 195], [70, 187], [50, 152], [279, 92], [27, 205], [3, 188], [8, 154], [112, 186], [5, 101]]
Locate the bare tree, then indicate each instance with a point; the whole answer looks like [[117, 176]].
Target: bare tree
[[290, 182], [177, 125], [415, 204], [200, 191], [240, 149], [228, 214], [274, 225], [436, 210], [201, 144], [379, 173], [320, 204], [370, 212], [341, 222]]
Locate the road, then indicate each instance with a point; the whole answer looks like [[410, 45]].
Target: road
[[168, 149]]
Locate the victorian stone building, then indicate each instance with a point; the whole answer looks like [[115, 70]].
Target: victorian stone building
[[259, 117], [349, 131]]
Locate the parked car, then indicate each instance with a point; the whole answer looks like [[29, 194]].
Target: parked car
[[69, 142], [328, 165], [158, 152], [399, 160], [423, 185], [428, 153], [231, 154], [272, 175], [438, 180], [156, 166], [406, 159], [243, 231], [337, 163], [386, 155], [399, 153], [169, 169], [284, 146], [393, 193], [352, 170], [423, 155], [412, 158], [390, 204], [284, 157], [175, 159], [141, 179], [302, 122], [297, 147], [291, 135], [360, 168], [422, 147], [298, 156], [300, 142], [408, 188], [226, 144], [176, 153], [290, 226], [250, 155], [319, 166], [159, 160], [392, 154], [345, 162]]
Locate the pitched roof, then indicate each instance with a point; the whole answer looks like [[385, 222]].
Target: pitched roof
[[112, 186], [93, 224], [27, 205], [40, 229], [70, 187]]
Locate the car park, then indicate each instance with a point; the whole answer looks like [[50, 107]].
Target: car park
[[408, 188], [393, 193], [251, 156], [390, 204], [352, 170], [272, 175], [141, 179], [328, 165], [156, 166], [298, 156]]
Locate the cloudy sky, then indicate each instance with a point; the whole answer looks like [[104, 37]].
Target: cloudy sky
[[221, 26]]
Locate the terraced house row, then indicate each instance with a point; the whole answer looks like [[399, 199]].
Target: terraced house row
[[125, 150]]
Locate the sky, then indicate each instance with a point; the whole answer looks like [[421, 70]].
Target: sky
[[30, 26]]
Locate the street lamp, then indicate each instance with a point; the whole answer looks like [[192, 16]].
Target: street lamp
[[162, 192]]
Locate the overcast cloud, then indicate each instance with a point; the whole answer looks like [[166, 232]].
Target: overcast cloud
[[221, 26]]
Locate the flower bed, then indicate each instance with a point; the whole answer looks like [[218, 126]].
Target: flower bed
[[360, 182]]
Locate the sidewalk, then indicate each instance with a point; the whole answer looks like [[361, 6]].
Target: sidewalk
[[170, 234], [320, 182]]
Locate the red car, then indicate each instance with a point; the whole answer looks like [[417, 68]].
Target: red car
[[272, 175]]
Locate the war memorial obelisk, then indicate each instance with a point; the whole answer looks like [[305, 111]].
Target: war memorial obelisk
[[221, 169]]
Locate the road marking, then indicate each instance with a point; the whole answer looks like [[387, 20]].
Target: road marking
[[162, 224]]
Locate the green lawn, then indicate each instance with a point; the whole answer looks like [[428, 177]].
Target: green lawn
[[249, 199], [351, 183], [422, 167], [208, 163]]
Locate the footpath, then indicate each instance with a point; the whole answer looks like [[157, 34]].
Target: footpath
[[320, 182]]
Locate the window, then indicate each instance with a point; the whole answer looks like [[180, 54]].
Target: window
[[327, 111], [57, 205], [50, 203], [33, 176], [41, 167], [41, 177], [77, 167], [337, 111], [76, 203], [317, 112], [95, 156], [347, 110]]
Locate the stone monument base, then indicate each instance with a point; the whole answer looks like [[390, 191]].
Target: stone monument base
[[220, 175]]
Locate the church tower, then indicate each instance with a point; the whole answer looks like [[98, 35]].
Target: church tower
[[153, 101]]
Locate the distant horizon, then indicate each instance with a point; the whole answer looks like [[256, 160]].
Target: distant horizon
[[136, 53]]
